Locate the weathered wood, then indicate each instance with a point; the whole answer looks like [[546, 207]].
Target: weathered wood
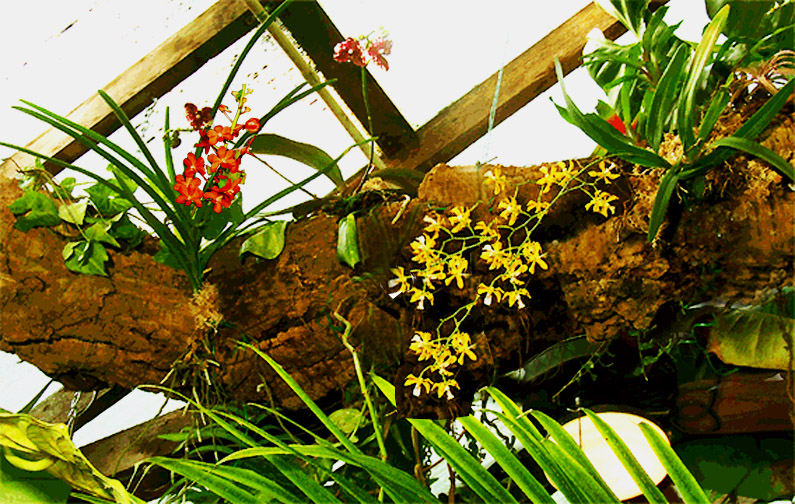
[[743, 402], [55, 408], [117, 455], [315, 32], [151, 77], [531, 73]]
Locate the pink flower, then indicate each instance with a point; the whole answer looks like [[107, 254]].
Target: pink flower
[[351, 50], [378, 49]]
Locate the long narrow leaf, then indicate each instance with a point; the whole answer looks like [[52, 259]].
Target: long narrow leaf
[[661, 200], [276, 145], [605, 135], [302, 481], [570, 447], [160, 177], [579, 476], [685, 483], [626, 458], [468, 467], [341, 437], [172, 175], [664, 97], [208, 479], [759, 151], [711, 116], [513, 468], [695, 76]]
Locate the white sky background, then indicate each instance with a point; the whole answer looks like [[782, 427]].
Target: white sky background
[[58, 53]]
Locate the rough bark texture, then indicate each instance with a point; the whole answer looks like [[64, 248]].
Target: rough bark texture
[[604, 279]]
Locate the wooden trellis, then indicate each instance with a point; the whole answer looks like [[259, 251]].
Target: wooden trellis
[[440, 139]]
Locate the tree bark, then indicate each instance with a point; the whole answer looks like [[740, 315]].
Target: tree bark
[[143, 325]]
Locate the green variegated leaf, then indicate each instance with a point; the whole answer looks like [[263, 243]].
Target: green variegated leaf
[[267, 243]]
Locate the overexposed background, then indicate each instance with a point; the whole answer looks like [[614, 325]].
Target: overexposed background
[[57, 54]]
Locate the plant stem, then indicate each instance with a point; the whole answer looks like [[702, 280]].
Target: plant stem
[[369, 131]]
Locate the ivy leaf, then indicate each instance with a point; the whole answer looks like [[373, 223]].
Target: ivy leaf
[[107, 201], [86, 257], [99, 232], [64, 188], [124, 229], [347, 419], [38, 208], [268, 243], [348, 241], [73, 213]]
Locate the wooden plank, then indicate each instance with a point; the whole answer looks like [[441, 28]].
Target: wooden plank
[[55, 408], [151, 77], [117, 455], [531, 73], [314, 31]]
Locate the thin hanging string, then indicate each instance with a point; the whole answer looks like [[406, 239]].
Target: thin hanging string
[[495, 100]]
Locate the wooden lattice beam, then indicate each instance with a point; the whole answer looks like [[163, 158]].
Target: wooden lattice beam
[[153, 76]]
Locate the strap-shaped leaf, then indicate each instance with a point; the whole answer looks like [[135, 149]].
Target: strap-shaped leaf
[[630, 463], [661, 200], [760, 151], [276, 145], [513, 468], [685, 483], [695, 77], [664, 97]]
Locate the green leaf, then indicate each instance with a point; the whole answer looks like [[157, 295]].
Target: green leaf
[[760, 151], [661, 200], [268, 243], [753, 339], [513, 468], [664, 98], [605, 135], [64, 188], [711, 116], [348, 241], [553, 357], [107, 202], [124, 229], [18, 486], [38, 209], [99, 232], [309, 155], [86, 257], [696, 77], [468, 468], [347, 419], [633, 467], [210, 477], [73, 213], [629, 12], [757, 467], [685, 483]]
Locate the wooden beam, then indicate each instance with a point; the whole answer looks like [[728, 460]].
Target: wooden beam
[[460, 124], [314, 31], [116, 455], [151, 77], [55, 408]]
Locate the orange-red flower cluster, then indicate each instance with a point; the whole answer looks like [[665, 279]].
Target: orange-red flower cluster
[[220, 172]]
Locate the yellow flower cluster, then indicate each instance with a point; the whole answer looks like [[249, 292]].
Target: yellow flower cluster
[[444, 355], [450, 240]]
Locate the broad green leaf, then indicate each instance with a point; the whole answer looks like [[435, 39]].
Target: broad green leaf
[[268, 243], [124, 229], [551, 358], [99, 232], [107, 201], [695, 77], [86, 257], [752, 339], [685, 483], [633, 467], [29, 438], [760, 151], [661, 200], [757, 467], [268, 143], [347, 419], [348, 241], [38, 209], [73, 213], [30, 487]]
